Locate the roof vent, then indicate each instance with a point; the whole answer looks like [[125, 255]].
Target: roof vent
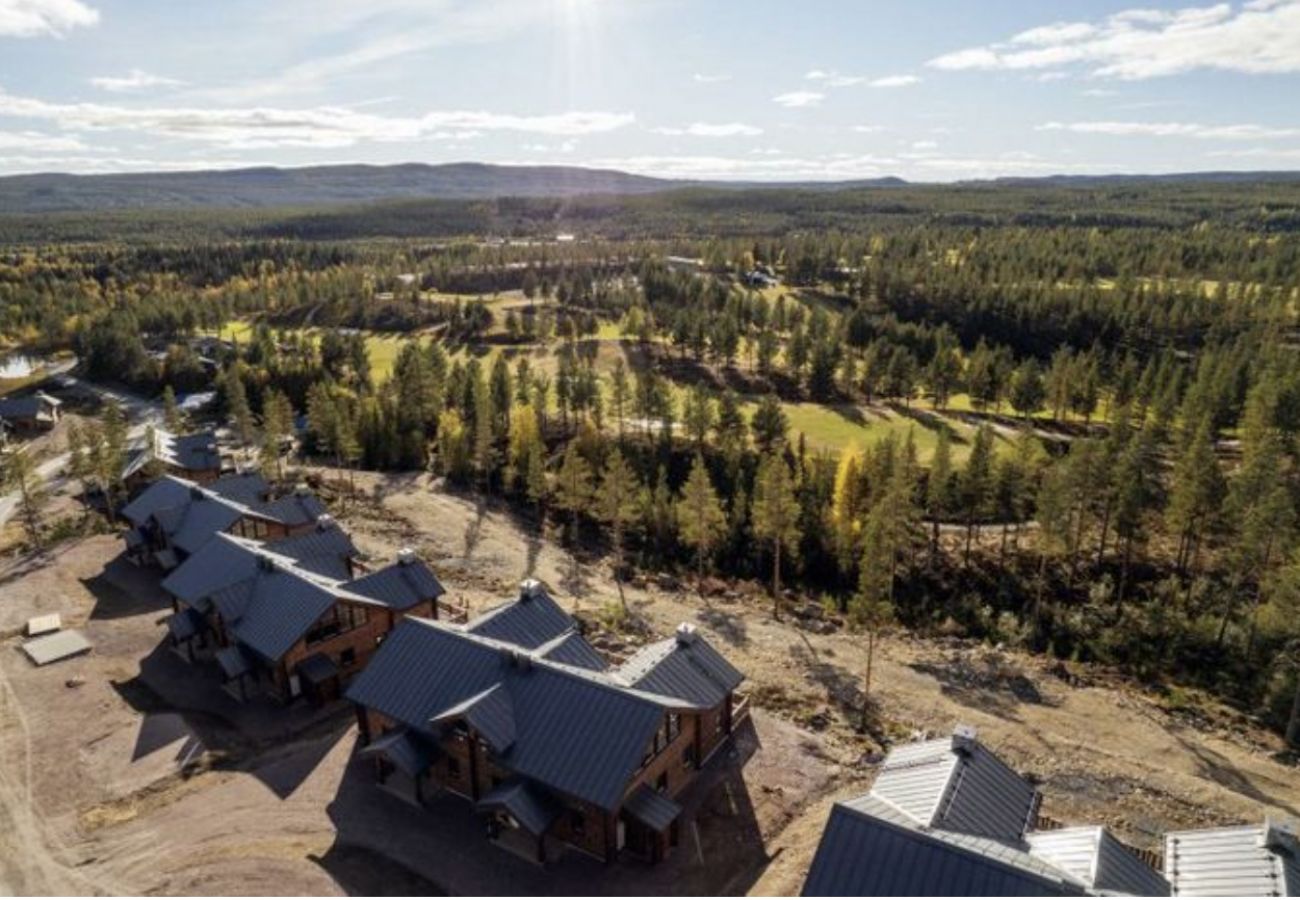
[[964, 738], [301, 490], [196, 493], [406, 556], [324, 522], [686, 634], [517, 659], [265, 563], [529, 588]]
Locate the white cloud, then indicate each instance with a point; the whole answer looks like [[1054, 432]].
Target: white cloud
[[135, 80], [39, 18], [1098, 92], [834, 79], [702, 78], [793, 99], [841, 167], [925, 145], [868, 129], [1262, 36], [895, 81], [259, 127], [35, 142], [1248, 132], [1279, 153], [708, 130]]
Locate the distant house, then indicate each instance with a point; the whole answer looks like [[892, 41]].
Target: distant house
[[173, 518], [516, 712], [30, 414], [760, 279], [193, 456], [288, 618], [948, 818], [1261, 860]]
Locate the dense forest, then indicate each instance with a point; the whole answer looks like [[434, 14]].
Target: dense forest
[[1100, 387]]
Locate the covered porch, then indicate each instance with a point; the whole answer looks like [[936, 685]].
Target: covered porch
[[518, 817]]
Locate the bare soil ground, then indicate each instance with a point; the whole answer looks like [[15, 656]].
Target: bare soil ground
[[127, 771]]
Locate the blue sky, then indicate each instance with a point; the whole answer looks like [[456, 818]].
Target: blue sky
[[931, 90]]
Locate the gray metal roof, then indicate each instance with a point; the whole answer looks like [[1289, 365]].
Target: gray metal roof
[[185, 624], [30, 406], [164, 493], [271, 611], [293, 510], [530, 807], [870, 850], [572, 649], [948, 817], [683, 666], [1098, 859], [490, 714], [1244, 861], [400, 585], [577, 732], [193, 523], [234, 661], [411, 753], [325, 550], [317, 668], [651, 808], [242, 487], [528, 621], [195, 452], [958, 785]]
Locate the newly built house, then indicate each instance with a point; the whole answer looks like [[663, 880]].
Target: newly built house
[[195, 457], [1259, 860], [947, 817], [29, 414], [554, 747], [297, 616], [173, 518]]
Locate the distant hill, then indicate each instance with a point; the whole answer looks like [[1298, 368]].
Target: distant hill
[[269, 187], [348, 185]]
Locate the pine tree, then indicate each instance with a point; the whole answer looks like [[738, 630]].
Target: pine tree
[[703, 523], [941, 489], [573, 493], [769, 424], [171, 412], [775, 513], [616, 504], [977, 483], [846, 507], [20, 476], [1197, 491], [237, 406]]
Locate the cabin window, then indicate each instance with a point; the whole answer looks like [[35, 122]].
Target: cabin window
[[348, 657], [674, 726], [688, 756], [577, 822], [453, 767]]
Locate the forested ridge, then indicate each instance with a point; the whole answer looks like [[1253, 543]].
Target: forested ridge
[[1085, 399]]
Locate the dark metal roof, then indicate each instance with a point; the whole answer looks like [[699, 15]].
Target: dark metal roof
[[27, 407], [164, 493], [242, 487], [1094, 856], [490, 714], [879, 852], [572, 649], [195, 452], [528, 621], [293, 510], [185, 624], [317, 668], [411, 753], [219, 563], [399, 585], [684, 666], [651, 808], [325, 550], [271, 611], [530, 807], [577, 732], [958, 785]]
